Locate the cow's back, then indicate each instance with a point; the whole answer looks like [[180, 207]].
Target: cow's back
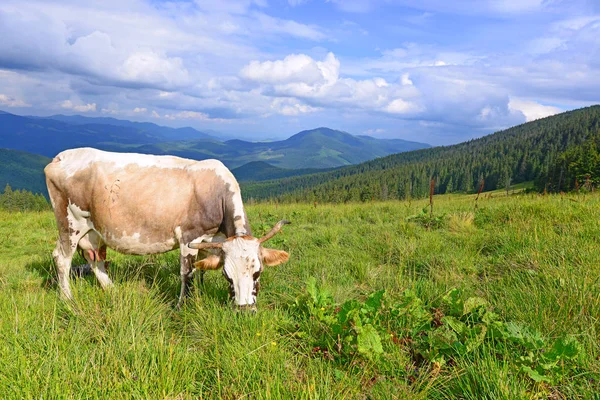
[[136, 201]]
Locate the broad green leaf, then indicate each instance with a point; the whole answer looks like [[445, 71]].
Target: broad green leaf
[[472, 303], [458, 326], [373, 302], [369, 342], [533, 374], [454, 302]]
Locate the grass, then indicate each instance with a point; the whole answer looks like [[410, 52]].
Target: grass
[[533, 258]]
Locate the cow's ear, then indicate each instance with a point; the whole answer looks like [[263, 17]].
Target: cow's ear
[[210, 262], [272, 257]]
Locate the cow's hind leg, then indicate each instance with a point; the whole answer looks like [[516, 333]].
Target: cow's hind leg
[[63, 254], [71, 224]]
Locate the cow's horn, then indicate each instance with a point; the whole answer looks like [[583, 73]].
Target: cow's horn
[[274, 231], [205, 245]]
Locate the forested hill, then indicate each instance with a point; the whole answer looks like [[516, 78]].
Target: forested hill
[[262, 171], [537, 151], [23, 170]]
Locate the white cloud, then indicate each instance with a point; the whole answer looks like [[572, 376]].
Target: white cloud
[[405, 80], [68, 104], [12, 102], [155, 114], [140, 110], [188, 115], [399, 106], [318, 84], [293, 68], [290, 107], [531, 109], [150, 67]]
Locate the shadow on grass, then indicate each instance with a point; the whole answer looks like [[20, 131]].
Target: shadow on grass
[[157, 272]]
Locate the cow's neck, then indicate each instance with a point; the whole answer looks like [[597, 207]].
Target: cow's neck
[[234, 216]]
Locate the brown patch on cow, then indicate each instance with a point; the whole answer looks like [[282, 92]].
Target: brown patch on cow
[[102, 253], [209, 263], [273, 257]]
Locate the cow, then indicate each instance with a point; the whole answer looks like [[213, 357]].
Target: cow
[[147, 204]]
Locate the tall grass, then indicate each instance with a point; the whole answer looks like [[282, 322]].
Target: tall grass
[[534, 259]]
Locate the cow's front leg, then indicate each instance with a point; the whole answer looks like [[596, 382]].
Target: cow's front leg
[[186, 265]]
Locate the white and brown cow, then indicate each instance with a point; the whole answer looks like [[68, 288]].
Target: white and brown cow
[[145, 204]]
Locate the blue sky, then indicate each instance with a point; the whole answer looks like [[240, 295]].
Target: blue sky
[[429, 70]]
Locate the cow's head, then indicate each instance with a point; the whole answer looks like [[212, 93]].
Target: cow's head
[[242, 259]]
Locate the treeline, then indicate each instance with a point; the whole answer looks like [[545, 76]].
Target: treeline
[[22, 200], [535, 151], [578, 168]]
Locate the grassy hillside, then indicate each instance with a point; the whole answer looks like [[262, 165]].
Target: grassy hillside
[[497, 303], [23, 170], [528, 152]]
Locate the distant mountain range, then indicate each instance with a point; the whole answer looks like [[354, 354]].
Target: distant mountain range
[[30, 142], [162, 133], [317, 148]]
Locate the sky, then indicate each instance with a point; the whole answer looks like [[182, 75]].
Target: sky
[[433, 71]]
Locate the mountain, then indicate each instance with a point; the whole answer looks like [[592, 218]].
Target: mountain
[[317, 148], [163, 133], [48, 137], [547, 151], [23, 170], [262, 171]]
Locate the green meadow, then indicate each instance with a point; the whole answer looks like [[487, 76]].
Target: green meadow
[[378, 301]]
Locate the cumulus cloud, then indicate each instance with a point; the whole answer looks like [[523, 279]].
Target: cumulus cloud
[[10, 101], [69, 105], [318, 83], [531, 109], [140, 110], [294, 68], [291, 107]]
